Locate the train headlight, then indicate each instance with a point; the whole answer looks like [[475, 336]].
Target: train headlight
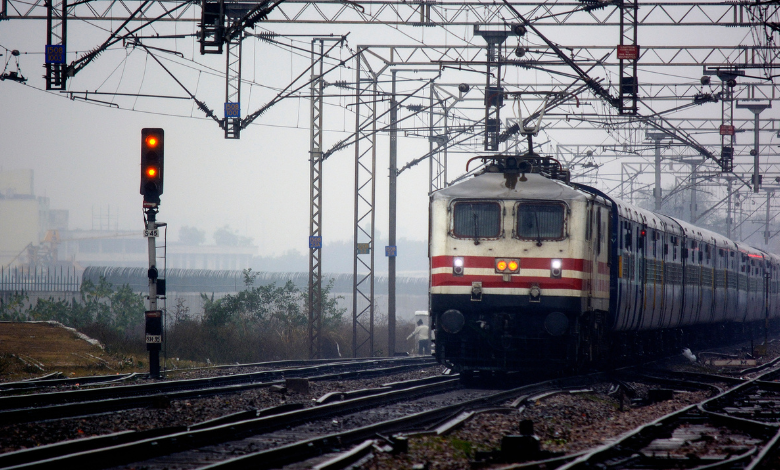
[[452, 321], [457, 266], [556, 268], [507, 266]]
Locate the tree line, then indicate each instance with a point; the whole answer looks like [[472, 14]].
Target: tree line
[[258, 323]]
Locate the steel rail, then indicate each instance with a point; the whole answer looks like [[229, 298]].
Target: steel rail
[[42, 399], [300, 451], [625, 452], [23, 386], [161, 445], [103, 405]]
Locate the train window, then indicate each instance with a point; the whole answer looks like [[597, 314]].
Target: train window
[[542, 221], [477, 220], [655, 237]]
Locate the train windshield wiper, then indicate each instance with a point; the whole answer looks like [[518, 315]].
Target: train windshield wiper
[[476, 230], [538, 230]]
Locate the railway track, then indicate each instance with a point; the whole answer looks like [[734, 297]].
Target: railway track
[[736, 429], [123, 448], [284, 435], [55, 379], [54, 405]]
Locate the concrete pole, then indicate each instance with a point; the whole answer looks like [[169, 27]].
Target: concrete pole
[[694, 167], [392, 227], [766, 223], [657, 189], [756, 171], [756, 109], [657, 137], [151, 226], [729, 219]]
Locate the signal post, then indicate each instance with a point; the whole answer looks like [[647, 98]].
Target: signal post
[[152, 154]]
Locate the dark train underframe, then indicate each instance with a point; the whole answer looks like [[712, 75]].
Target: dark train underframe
[[497, 336]]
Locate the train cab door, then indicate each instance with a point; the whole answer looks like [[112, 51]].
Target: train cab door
[[599, 235]]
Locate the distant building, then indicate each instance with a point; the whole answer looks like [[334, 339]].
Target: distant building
[[27, 220], [33, 235]]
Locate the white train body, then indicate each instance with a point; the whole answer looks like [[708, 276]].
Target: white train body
[[593, 275]]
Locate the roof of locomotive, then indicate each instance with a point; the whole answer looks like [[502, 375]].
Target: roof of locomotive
[[493, 186]]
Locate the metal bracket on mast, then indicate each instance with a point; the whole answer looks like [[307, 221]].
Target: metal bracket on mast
[[56, 44]]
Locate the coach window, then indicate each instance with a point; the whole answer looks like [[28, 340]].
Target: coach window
[[476, 220], [542, 221]]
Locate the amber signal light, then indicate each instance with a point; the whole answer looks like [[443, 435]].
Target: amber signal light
[[507, 266], [151, 141]]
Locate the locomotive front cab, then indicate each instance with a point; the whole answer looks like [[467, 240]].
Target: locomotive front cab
[[508, 272]]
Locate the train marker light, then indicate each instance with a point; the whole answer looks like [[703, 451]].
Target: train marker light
[[457, 266], [556, 268], [507, 265]]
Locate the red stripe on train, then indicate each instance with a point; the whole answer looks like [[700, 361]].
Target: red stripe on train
[[447, 279], [489, 262]]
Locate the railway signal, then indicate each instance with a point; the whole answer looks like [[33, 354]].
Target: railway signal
[[152, 158]]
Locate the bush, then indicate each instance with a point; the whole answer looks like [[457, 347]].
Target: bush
[[257, 324]]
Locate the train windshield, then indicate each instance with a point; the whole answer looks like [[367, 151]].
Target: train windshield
[[477, 220], [540, 221]]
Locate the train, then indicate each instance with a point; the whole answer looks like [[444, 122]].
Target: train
[[530, 271]]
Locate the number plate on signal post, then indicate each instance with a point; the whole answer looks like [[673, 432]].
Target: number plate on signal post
[[153, 339], [152, 233]]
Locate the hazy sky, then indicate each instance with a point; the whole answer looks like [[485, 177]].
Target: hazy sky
[[86, 156]]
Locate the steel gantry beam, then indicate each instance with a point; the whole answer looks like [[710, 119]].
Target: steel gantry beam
[[365, 198], [430, 14]]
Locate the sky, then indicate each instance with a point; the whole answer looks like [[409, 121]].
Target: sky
[[86, 156]]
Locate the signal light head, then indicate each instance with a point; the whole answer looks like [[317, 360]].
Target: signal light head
[[152, 163]]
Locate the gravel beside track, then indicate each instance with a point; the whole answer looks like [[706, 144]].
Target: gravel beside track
[[211, 454], [566, 423], [181, 412]]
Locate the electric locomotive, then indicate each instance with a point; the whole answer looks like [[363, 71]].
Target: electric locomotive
[[529, 271]]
